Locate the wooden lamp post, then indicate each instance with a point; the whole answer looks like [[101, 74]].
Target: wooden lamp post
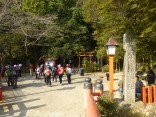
[[111, 48]]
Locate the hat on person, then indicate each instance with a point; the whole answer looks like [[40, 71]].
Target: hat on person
[[67, 65], [59, 65]]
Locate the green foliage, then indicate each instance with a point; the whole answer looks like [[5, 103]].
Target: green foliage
[[142, 67], [35, 6], [114, 18], [85, 62], [72, 34], [105, 68], [89, 66], [55, 28], [108, 107]]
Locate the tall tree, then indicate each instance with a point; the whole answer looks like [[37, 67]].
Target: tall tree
[[118, 17], [74, 35]]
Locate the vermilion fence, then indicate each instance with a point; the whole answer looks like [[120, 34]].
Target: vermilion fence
[[91, 97], [149, 94]]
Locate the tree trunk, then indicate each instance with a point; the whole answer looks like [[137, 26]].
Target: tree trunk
[[101, 65]]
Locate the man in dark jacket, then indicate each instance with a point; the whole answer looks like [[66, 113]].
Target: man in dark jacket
[[150, 76], [14, 76]]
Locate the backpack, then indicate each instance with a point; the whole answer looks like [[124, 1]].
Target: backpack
[[14, 72], [68, 71], [47, 72], [38, 70], [8, 72], [53, 69]]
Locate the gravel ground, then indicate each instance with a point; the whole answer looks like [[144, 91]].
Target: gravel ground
[[33, 98]]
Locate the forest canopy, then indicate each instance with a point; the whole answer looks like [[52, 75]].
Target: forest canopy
[[63, 28]]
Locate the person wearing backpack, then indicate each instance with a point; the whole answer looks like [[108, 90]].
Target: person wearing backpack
[[54, 73], [60, 72], [8, 75], [14, 76], [68, 73], [38, 71], [48, 74]]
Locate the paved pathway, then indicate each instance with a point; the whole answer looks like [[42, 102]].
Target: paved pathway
[[33, 98]]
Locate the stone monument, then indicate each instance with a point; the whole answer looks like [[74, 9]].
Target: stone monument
[[129, 68]]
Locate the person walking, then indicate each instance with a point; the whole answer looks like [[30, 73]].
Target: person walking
[[8, 76], [38, 71], [31, 69], [14, 76], [54, 73], [107, 76], [60, 72], [48, 74], [68, 73], [42, 69]]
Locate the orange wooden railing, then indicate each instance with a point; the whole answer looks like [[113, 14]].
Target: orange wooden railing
[[149, 94], [91, 97]]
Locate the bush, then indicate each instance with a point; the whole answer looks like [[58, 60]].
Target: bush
[[108, 107], [89, 67], [105, 68]]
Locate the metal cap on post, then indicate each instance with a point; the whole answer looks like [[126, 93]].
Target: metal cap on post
[[90, 105], [87, 80], [99, 87], [98, 81], [88, 85]]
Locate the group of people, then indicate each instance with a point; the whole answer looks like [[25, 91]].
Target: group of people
[[11, 74], [52, 73], [150, 79]]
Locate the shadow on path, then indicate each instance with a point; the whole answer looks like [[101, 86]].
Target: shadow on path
[[9, 109]]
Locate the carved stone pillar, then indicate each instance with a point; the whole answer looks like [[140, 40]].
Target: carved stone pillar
[[129, 68]]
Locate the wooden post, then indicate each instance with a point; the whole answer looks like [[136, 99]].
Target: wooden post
[[154, 91], [149, 94], [79, 61], [144, 95], [111, 74], [90, 105]]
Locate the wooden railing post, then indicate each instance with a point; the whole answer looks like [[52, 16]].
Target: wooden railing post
[[144, 98], [90, 105], [154, 91], [149, 94]]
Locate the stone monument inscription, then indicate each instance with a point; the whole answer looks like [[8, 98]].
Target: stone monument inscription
[[129, 68]]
